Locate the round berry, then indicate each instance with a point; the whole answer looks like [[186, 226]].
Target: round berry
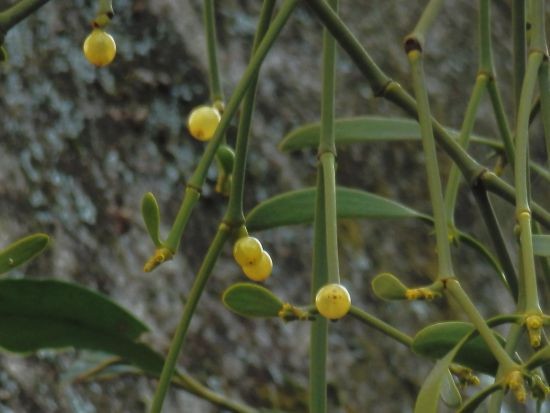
[[99, 47], [203, 122], [333, 301], [260, 270], [247, 251]]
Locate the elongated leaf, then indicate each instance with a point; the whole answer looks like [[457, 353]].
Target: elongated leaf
[[438, 339], [541, 245], [297, 207], [428, 397], [42, 306], [151, 217], [449, 391], [252, 300], [361, 130], [22, 251]]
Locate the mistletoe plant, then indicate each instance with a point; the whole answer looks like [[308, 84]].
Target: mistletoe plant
[[460, 349]]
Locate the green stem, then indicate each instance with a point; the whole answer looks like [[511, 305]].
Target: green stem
[[381, 326], [234, 215], [382, 85], [192, 385], [495, 232], [19, 11], [189, 309], [454, 288], [190, 198], [319, 327], [445, 268], [424, 23], [198, 177], [485, 43], [544, 86], [331, 222], [209, 17], [325, 254], [502, 120], [451, 190], [518, 46], [521, 175]]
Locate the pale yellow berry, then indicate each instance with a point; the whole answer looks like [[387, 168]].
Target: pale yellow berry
[[260, 270], [203, 122], [99, 47], [333, 301], [247, 251]]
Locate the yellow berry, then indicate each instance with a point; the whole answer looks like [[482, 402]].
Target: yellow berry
[[247, 251], [260, 270], [333, 301], [99, 47], [203, 122]]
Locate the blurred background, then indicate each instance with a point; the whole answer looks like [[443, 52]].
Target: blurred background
[[80, 146]]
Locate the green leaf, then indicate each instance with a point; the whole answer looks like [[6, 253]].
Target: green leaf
[[361, 130], [541, 245], [449, 391], [297, 207], [22, 251], [151, 217], [428, 397], [46, 305], [354, 130], [252, 300], [388, 287], [438, 339]]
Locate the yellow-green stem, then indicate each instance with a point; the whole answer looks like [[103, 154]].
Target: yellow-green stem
[[19, 11], [445, 266], [189, 309], [455, 290], [209, 17], [453, 182]]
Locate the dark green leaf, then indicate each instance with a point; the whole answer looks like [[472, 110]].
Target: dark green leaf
[[388, 287], [541, 245], [151, 217], [22, 251], [436, 340], [45, 305], [297, 207], [361, 130], [252, 300], [38, 314]]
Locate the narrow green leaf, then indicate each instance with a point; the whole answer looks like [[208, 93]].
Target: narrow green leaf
[[438, 339], [43, 306], [541, 245], [297, 207], [252, 300], [428, 397], [449, 391], [151, 217], [361, 130], [40, 314], [22, 251], [388, 287]]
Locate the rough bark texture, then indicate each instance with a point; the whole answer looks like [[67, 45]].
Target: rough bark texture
[[80, 146]]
